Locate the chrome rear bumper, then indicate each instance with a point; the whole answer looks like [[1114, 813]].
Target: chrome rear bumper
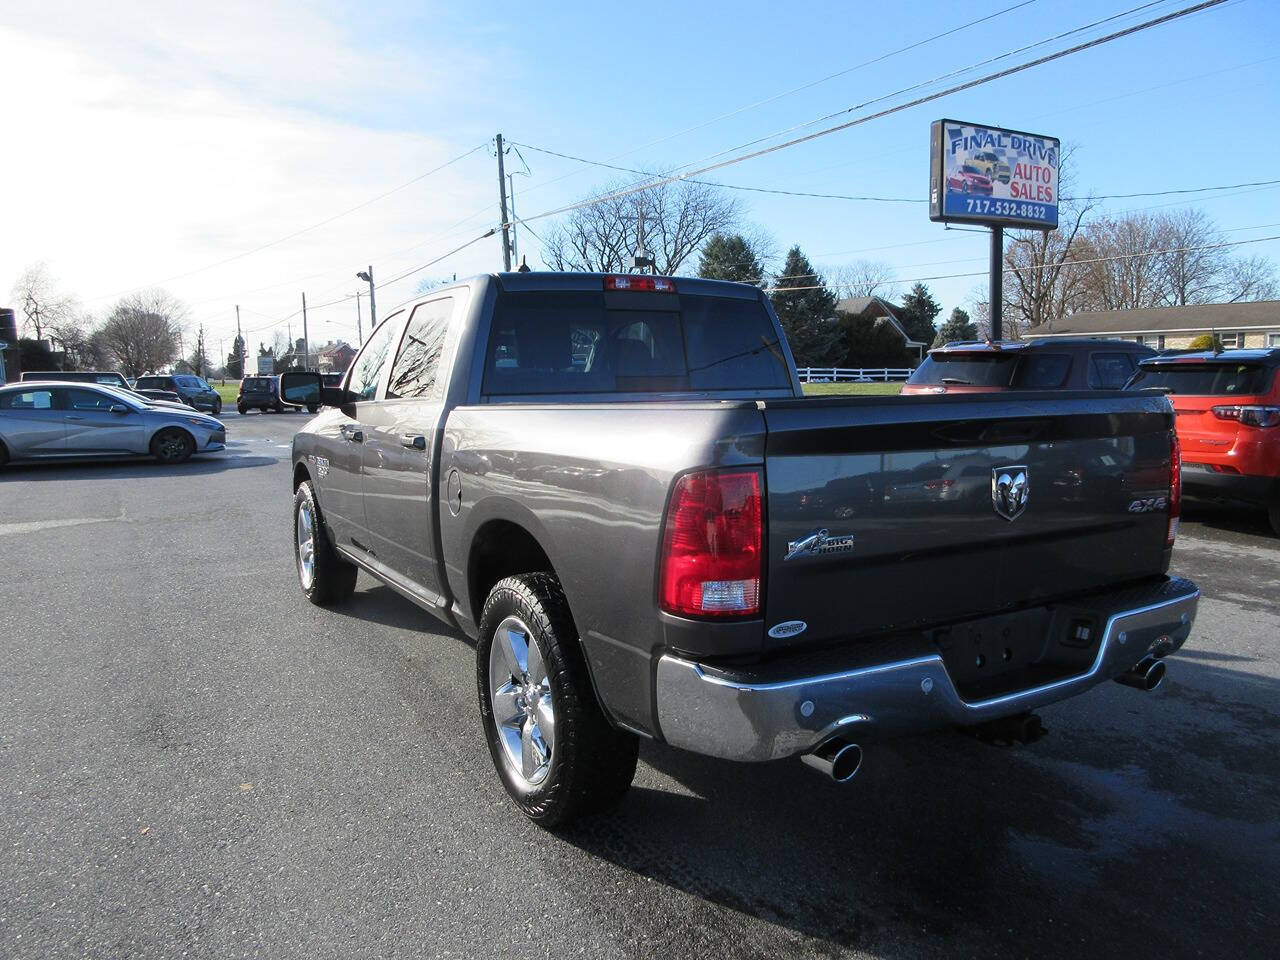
[[773, 712]]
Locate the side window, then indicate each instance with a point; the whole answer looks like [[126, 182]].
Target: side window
[[27, 400], [367, 367], [86, 400], [1110, 371], [416, 366]]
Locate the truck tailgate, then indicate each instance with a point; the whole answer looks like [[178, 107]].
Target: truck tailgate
[[898, 513]]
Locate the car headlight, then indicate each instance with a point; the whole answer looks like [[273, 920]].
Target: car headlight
[[200, 423]]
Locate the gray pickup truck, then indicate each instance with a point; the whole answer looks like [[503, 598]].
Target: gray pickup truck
[[614, 484]]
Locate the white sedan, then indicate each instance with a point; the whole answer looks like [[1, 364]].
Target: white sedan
[[53, 420]]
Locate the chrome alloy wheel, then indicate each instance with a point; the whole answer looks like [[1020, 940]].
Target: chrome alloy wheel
[[305, 528], [520, 698]]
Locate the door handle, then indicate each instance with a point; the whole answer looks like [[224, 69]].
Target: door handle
[[75, 418], [418, 442]]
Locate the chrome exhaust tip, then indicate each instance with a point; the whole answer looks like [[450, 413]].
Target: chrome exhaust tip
[[1146, 675], [837, 758]]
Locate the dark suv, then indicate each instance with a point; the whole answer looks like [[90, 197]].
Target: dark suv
[[259, 393], [192, 389], [976, 366]]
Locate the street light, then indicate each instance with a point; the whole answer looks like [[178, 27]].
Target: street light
[[367, 275]]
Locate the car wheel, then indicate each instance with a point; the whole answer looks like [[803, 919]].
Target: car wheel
[[1273, 511], [4, 456], [324, 576], [556, 753], [312, 408], [241, 409], [172, 445], [217, 406]]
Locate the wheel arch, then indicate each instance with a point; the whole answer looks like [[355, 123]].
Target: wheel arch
[[300, 475], [501, 548]]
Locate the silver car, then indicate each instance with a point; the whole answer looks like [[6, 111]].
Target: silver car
[[49, 420]]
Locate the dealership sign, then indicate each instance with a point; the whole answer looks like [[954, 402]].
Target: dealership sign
[[993, 176]]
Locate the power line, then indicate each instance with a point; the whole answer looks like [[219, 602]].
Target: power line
[[970, 84], [945, 76], [805, 86], [298, 233], [845, 196]]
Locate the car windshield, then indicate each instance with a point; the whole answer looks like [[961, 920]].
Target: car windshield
[[987, 368], [1203, 379], [257, 384], [584, 342]]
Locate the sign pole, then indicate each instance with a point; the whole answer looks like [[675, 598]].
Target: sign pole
[[996, 295]]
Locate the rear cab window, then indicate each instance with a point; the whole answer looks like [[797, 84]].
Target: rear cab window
[[581, 342]]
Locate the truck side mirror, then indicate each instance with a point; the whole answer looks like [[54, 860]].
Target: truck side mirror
[[304, 388]]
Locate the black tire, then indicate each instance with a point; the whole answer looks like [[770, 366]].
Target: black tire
[[4, 455], [333, 579], [312, 408], [172, 446], [241, 409], [1273, 512], [591, 764], [217, 406]]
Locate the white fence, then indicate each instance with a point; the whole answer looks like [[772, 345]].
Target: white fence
[[852, 374]]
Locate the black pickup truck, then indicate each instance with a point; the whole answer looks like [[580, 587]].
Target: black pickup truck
[[614, 483]]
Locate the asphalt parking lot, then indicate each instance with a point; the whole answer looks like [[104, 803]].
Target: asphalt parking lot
[[196, 762]]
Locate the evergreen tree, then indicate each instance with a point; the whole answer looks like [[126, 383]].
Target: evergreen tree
[[806, 309], [235, 359], [730, 257], [918, 312], [957, 327]]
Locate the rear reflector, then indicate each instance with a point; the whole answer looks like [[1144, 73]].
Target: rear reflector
[[711, 556], [1175, 488], [639, 282]]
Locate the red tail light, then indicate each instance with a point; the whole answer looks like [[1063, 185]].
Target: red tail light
[[1175, 488], [711, 555], [639, 282]]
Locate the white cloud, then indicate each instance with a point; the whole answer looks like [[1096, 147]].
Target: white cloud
[[150, 141]]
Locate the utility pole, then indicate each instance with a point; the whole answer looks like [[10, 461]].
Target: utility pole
[[502, 196], [306, 341], [996, 289], [240, 341], [641, 261], [359, 332], [515, 239]]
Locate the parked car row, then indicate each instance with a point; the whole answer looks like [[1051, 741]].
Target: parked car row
[[51, 420], [187, 389]]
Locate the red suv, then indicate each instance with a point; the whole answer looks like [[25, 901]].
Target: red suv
[[1075, 363], [1228, 409]]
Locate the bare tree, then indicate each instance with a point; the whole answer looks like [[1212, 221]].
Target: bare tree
[[144, 332], [1122, 268], [1251, 278], [862, 278], [1039, 285], [45, 310], [678, 218]]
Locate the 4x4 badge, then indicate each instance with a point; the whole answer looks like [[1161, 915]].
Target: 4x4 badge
[[1010, 487]]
